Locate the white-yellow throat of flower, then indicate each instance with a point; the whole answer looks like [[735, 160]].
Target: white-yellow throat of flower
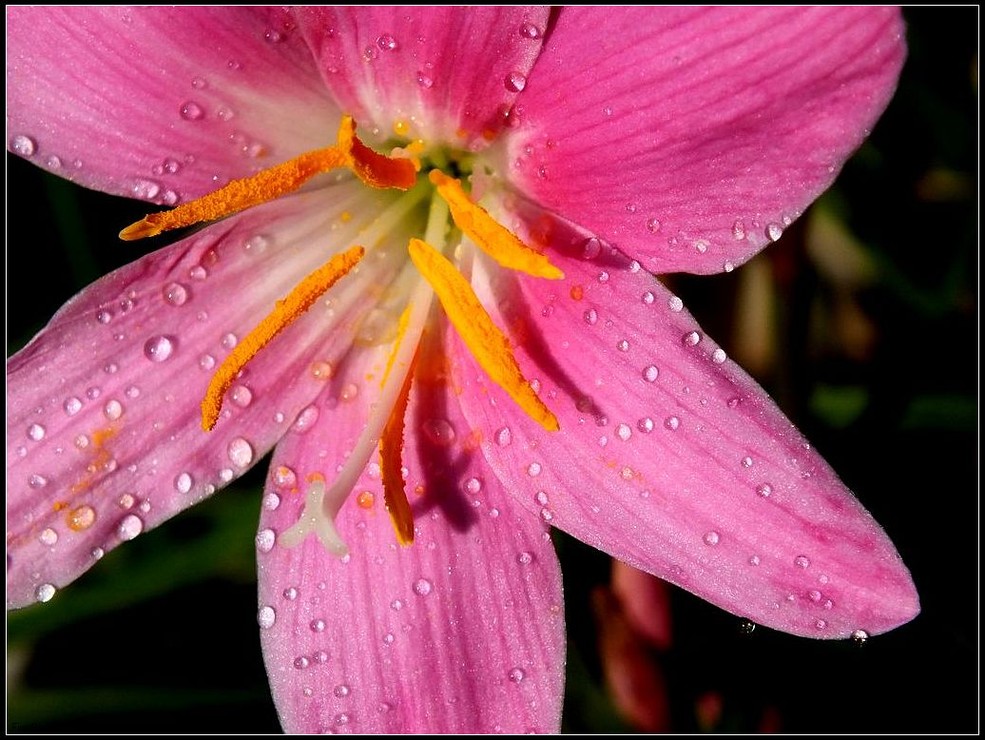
[[385, 426]]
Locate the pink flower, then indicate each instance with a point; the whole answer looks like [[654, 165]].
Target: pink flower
[[616, 144]]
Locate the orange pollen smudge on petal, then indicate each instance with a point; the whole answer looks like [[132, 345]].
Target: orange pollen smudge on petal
[[286, 311], [373, 169], [391, 448], [492, 237], [485, 340]]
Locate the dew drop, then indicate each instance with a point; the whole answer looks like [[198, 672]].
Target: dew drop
[[241, 396], [175, 294], [516, 675], [130, 526], [290, 593], [515, 82], [738, 230], [257, 244], [321, 370], [48, 536], [365, 500], [650, 373], [645, 425], [504, 436], [229, 340], [159, 348], [622, 345], [422, 587], [533, 470], [439, 432], [675, 304], [265, 540], [72, 406], [648, 298], [240, 452], [472, 485], [36, 432], [386, 42], [396, 605], [206, 362], [653, 225], [747, 462], [424, 80], [145, 189], [320, 657], [113, 410], [284, 477], [81, 518], [271, 501], [104, 317], [317, 625], [859, 637], [746, 627], [37, 481], [814, 595], [821, 624], [525, 558], [590, 316], [273, 36], [266, 616], [672, 422], [691, 338], [530, 31], [802, 561], [728, 266], [711, 538], [754, 560], [44, 593], [701, 246], [624, 432], [183, 483], [764, 490], [718, 356], [590, 248], [774, 231], [342, 691], [24, 146], [305, 419]]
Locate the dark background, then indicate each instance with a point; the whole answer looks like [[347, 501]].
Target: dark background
[[162, 635]]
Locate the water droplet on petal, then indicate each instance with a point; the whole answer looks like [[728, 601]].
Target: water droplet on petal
[[265, 540], [859, 637], [386, 42], [645, 425], [266, 616], [284, 477], [530, 31], [650, 373], [24, 146], [653, 225], [81, 518], [439, 432], [591, 316], [774, 231], [675, 304], [44, 593], [175, 294], [691, 338], [711, 538], [718, 356], [590, 248], [504, 436], [738, 231], [206, 362], [516, 675], [821, 624], [145, 189], [130, 526], [422, 587], [305, 419], [746, 627], [240, 452], [424, 80], [48, 537], [241, 396], [764, 490], [515, 82], [624, 432], [36, 432], [183, 483], [290, 593], [317, 625], [159, 348], [754, 560], [341, 691], [802, 561], [672, 422], [533, 470], [113, 410]]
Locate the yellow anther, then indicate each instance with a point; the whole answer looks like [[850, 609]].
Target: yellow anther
[[391, 449], [373, 169], [285, 312], [492, 237], [485, 341]]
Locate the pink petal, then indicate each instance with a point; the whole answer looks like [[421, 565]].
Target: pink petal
[[103, 420], [450, 73], [161, 103], [671, 458], [691, 136], [461, 632]]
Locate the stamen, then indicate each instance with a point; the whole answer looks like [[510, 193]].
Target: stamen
[[495, 239], [373, 169], [485, 341], [286, 311], [391, 447]]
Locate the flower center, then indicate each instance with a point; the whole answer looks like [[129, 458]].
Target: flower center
[[385, 426]]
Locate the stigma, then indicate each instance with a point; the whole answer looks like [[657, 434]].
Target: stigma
[[456, 224]]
